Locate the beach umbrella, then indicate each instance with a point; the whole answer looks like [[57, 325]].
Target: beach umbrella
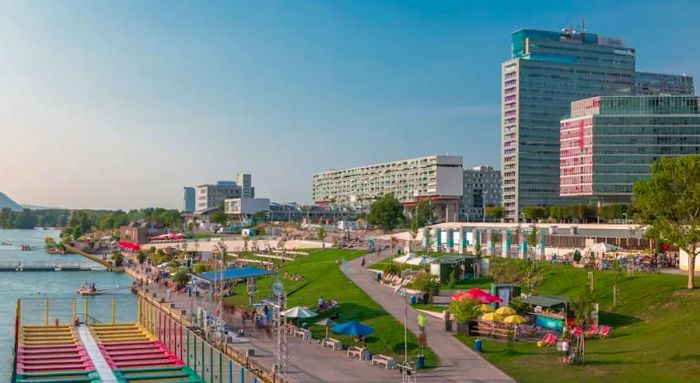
[[327, 323], [506, 311], [490, 317], [514, 319], [352, 328], [299, 312], [484, 308]]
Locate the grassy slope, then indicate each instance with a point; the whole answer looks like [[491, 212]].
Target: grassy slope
[[323, 277], [655, 337]]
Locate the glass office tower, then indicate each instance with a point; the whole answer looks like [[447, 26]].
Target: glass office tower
[[547, 71], [608, 143]]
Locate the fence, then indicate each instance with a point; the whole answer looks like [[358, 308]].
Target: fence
[[210, 363]]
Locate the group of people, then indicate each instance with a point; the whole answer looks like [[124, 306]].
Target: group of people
[[324, 305]]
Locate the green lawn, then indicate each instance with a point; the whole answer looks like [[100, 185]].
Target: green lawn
[[323, 277], [655, 336]]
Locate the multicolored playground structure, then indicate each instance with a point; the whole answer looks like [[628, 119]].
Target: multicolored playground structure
[[157, 347]]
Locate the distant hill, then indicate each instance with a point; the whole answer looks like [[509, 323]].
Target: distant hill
[[6, 201], [35, 207]]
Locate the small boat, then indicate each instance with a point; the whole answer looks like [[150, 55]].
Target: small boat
[[5, 243], [88, 289]]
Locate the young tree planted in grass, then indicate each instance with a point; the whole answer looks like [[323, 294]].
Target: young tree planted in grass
[[413, 229], [464, 309], [321, 234], [386, 213], [478, 254], [427, 284], [428, 239], [532, 237], [669, 202]]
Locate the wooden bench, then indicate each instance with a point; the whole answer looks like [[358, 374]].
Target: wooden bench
[[384, 360], [360, 353], [335, 344]]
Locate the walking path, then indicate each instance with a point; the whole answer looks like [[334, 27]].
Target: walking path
[[101, 366], [458, 363], [307, 361]]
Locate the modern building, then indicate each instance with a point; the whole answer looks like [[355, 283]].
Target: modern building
[[547, 71], [211, 196], [608, 143], [437, 178], [246, 185], [659, 84], [482, 188], [246, 206], [188, 200]]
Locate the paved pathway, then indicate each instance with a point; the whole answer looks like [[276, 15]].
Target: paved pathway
[[308, 362], [458, 363], [101, 365]]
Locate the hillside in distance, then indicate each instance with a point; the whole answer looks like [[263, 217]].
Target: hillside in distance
[[6, 201]]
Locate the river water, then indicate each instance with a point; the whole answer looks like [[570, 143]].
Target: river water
[[58, 286]]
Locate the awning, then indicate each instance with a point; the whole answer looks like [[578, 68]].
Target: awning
[[129, 245], [546, 300], [235, 273]]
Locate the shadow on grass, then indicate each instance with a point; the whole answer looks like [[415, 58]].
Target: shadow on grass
[[615, 319], [352, 311], [611, 362], [290, 293], [678, 358]]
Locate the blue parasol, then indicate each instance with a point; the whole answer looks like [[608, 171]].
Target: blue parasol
[[353, 328]]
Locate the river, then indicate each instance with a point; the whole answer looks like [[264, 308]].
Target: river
[[59, 286]]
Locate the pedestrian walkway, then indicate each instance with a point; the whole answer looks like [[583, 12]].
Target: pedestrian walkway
[[458, 363], [101, 366]]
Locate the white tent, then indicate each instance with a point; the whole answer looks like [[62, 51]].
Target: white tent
[[405, 258], [420, 261], [603, 247], [299, 312]]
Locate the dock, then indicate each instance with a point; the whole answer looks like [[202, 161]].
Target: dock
[[48, 266]]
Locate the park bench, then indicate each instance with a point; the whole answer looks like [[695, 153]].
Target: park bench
[[360, 353], [303, 333], [387, 361], [335, 344]]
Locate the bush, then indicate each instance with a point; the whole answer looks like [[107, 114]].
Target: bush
[[117, 258], [465, 309], [452, 282], [426, 283], [392, 269], [199, 268], [577, 256], [181, 277]]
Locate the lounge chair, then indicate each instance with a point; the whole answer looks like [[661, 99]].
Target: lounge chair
[[548, 340], [604, 331], [384, 360], [592, 331], [360, 353]]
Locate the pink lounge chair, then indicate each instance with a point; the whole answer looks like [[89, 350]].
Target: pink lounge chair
[[592, 331], [604, 331]]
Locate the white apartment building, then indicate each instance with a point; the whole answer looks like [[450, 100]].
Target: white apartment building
[[211, 196], [437, 178]]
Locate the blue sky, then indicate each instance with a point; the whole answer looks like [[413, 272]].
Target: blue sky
[[118, 104]]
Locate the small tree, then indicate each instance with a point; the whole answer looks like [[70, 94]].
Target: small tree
[[424, 213], [577, 256], [413, 229], [386, 213], [181, 277], [452, 282], [464, 309], [141, 256], [618, 274], [426, 283], [199, 268], [321, 234], [117, 258], [669, 202], [532, 238], [428, 239], [495, 212], [478, 254]]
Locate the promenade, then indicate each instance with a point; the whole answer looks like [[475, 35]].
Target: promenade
[[309, 363], [458, 363]]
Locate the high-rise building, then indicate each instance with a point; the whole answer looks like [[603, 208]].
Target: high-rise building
[[246, 185], [188, 200], [482, 188], [547, 71], [211, 196], [436, 178], [608, 143], [659, 84]]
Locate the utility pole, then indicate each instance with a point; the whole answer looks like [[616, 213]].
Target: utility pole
[[280, 324]]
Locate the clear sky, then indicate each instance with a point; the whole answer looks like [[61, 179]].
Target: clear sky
[[119, 104]]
